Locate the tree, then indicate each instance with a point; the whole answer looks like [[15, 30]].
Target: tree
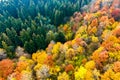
[[49, 37], [9, 49], [29, 46], [60, 37]]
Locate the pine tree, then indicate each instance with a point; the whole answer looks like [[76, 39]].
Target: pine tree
[[24, 36], [29, 46]]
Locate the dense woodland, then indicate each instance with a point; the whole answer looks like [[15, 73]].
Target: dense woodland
[[30, 23], [60, 40]]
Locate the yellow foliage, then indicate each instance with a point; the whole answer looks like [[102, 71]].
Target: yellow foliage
[[37, 67], [92, 30], [80, 74], [56, 47], [26, 75], [28, 61], [108, 75], [94, 39], [82, 30], [106, 34], [115, 55], [80, 49], [90, 65], [68, 36], [70, 53], [54, 70], [115, 25], [89, 75], [39, 56], [22, 58], [117, 76], [97, 14], [63, 76]]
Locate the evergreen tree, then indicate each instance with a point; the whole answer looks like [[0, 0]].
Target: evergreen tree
[[49, 37], [29, 46], [9, 49], [24, 36], [60, 37]]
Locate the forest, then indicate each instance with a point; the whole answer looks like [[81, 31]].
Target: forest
[[29, 23], [59, 40]]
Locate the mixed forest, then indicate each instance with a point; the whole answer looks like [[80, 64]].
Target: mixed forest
[[60, 40]]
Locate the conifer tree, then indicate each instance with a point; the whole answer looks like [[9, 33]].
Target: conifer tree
[[29, 46], [9, 50], [59, 37]]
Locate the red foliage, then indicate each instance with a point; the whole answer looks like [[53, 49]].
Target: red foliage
[[116, 14]]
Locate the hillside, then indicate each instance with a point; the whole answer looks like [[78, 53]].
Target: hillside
[[86, 47]]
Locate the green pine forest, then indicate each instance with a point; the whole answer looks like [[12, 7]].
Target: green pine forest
[[32, 24]]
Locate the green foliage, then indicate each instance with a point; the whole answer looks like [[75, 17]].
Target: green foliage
[[56, 10], [60, 37], [31, 34], [9, 50], [50, 36], [27, 23], [29, 46]]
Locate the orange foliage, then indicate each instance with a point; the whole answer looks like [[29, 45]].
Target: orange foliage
[[65, 28], [21, 66], [49, 48], [49, 61], [6, 67], [84, 61], [111, 20], [95, 56], [109, 44], [116, 67], [74, 27], [104, 18], [103, 56], [116, 32], [69, 68], [17, 75], [100, 56], [78, 41], [2, 79], [94, 22]]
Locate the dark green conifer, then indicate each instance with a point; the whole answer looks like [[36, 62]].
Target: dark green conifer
[[29, 46], [60, 37]]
